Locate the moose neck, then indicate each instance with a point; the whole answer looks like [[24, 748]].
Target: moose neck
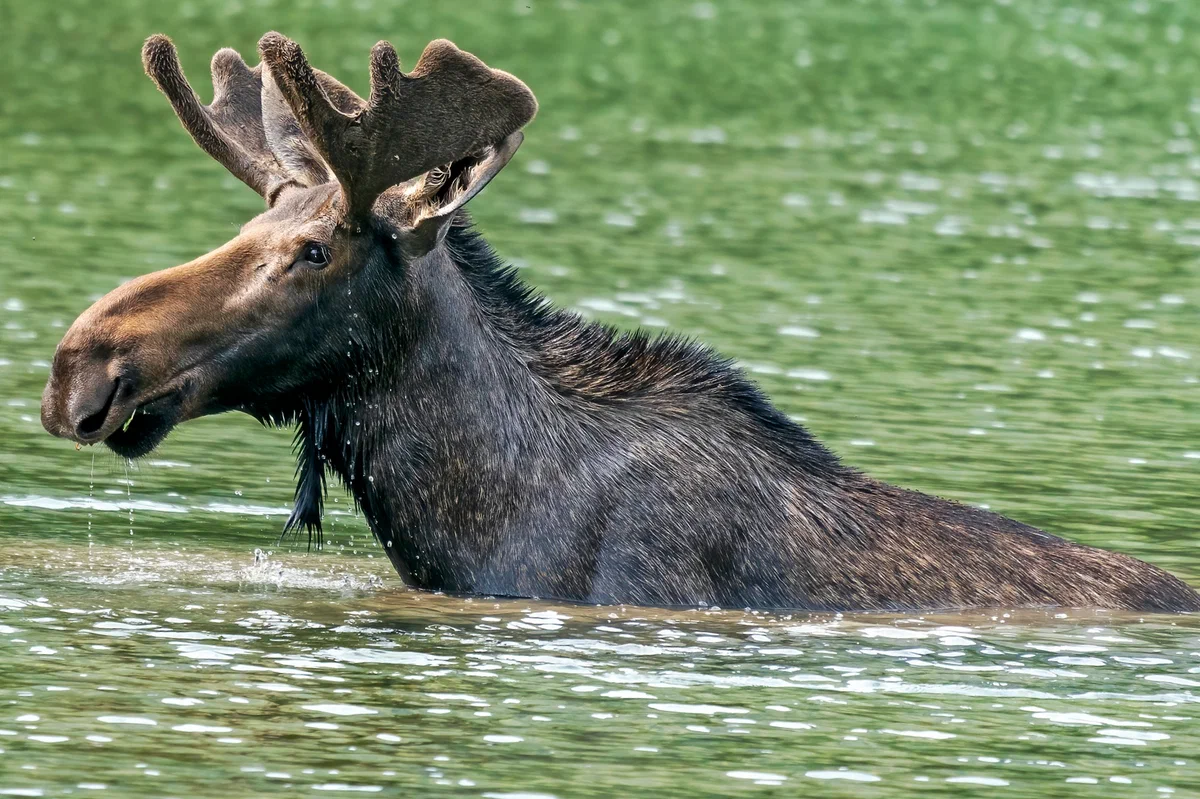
[[430, 439], [477, 418]]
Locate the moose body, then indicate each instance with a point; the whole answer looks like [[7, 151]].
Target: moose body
[[495, 444]]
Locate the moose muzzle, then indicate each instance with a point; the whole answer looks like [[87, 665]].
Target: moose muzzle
[[84, 400], [121, 373]]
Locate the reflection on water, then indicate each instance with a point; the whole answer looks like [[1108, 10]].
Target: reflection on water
[[957, 240]]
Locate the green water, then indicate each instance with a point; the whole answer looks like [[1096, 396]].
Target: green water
[[959, 240]]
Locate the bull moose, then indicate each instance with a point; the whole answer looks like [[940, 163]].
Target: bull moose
[[498, 445]]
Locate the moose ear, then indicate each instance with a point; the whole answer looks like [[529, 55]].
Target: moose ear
[[431, 203]]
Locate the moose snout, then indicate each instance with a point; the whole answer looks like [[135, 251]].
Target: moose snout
[[84, 399], [116, 350]]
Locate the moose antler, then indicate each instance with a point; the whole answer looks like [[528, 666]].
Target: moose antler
[[451, 106], [231, 129]]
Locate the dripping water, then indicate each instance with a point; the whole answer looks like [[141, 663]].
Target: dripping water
[[129, 498], [91, 497]]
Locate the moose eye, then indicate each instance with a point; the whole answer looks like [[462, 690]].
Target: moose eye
[[314, 254]]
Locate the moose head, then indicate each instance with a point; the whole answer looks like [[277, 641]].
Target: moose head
[[357, 192]]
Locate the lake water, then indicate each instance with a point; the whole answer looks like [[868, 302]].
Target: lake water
[[960, 241]]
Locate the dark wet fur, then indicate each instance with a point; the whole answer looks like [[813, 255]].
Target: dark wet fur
[[498, 445]]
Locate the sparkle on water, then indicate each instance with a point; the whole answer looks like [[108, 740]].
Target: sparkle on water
[[957, 240]]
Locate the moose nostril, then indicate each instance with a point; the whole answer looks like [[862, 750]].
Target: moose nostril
[[89, 425]]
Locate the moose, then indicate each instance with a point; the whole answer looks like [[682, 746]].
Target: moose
[[495, 444]]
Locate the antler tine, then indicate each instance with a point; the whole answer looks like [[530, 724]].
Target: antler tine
[[451, 106], [320, 119], [230, 130]]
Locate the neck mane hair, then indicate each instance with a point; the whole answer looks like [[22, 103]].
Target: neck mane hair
[[468, 327]]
